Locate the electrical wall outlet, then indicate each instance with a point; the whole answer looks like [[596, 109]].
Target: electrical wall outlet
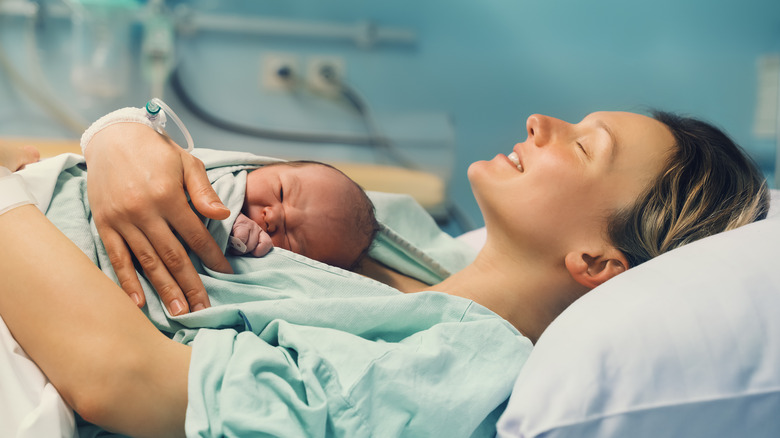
[[280, 72], [324, 74]]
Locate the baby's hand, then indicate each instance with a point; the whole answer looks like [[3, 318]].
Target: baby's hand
[[248, 238]]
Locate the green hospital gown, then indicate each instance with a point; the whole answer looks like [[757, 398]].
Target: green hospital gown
[[293, 347]]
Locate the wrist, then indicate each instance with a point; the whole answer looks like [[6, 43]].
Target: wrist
[[124, 115]]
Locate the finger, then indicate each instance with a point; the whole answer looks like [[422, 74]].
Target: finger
[[155, 269], [253, 239], [202, 195], [178, 264], [199, 240], [122, 262], [264, 245], [241, 231]]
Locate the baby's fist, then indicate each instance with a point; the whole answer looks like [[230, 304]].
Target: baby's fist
[[248, 238]]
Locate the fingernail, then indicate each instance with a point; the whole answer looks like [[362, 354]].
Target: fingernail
[[197, 307], [177, 307], [136, 299], [217, 204]]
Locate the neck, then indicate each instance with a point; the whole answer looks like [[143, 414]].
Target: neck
[[527, 292]]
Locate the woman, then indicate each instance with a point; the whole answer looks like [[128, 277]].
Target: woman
[[569, 208]]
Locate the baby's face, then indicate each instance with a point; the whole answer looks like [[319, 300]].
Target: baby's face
[[303, 209]]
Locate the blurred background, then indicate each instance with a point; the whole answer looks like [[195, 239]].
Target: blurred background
[[428, 86]]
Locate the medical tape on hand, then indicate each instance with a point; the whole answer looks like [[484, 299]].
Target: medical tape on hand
[[13, 191], [124, 115]]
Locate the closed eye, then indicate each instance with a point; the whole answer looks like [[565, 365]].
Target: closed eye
[[583, 148]]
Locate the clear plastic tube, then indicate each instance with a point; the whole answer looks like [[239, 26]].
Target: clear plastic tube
[[154, 106]]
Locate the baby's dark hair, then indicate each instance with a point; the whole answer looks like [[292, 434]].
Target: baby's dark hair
[[361, 214]]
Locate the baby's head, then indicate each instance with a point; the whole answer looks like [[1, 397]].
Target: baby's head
[[312, 209]]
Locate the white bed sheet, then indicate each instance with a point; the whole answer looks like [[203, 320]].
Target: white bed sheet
[[30, 406]]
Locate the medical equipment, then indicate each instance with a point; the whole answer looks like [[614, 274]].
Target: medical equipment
[[102, 39], [101, 46], [156, 110], [102, 30], [32, 81], [154, 115], [157, 47]]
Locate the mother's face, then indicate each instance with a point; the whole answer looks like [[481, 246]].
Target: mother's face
[[557, 188]]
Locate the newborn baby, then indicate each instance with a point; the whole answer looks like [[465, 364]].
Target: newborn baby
[[306, 207]]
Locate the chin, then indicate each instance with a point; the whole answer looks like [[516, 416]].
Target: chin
[[475, 174], [477, 171], [473, 168]]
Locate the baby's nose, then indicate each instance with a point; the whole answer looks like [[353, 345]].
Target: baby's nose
[[273, 219]]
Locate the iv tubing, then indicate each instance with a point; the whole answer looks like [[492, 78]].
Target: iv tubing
[[150, 109]]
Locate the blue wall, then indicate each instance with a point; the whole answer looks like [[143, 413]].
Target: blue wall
[[487, 64]]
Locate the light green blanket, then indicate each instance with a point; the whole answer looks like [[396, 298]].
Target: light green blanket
[[293, 347]]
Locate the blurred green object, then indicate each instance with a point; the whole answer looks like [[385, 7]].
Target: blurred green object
[[101, 46], [109, 4]]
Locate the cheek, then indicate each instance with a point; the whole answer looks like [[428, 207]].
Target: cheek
[[278, 240], [254, 212]]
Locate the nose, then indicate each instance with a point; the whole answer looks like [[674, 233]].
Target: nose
[[543, 129], [274, 219]]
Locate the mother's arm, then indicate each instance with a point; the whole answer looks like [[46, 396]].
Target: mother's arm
[[138, 183], [106, 359]]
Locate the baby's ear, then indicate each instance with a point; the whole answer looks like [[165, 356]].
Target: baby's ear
[[593, 268]]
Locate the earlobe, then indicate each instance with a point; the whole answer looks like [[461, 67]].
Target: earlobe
[[591, 271]]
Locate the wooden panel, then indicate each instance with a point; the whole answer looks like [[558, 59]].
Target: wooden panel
[[47, 147]]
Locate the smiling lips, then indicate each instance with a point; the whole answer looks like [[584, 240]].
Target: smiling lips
[[515, 159]]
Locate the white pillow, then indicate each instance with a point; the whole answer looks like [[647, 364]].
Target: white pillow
[[685, 345]]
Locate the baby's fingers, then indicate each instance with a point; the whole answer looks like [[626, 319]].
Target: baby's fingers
[[264, 245]]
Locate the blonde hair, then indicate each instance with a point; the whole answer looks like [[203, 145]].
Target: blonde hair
[[708, 185]]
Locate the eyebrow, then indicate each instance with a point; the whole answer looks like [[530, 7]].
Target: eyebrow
[[614, 146]]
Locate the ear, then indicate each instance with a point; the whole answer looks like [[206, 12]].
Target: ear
[[590, 269]]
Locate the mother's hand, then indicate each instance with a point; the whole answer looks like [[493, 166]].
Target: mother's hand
[[137, 185]]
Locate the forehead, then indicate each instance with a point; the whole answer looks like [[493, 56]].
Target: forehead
[[638, 138], [320, 193], [639, 153], [308, 174], [324, 197], [324, 193], [634, 128]]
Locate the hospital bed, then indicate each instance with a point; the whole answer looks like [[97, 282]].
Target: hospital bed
[[687, 344]]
